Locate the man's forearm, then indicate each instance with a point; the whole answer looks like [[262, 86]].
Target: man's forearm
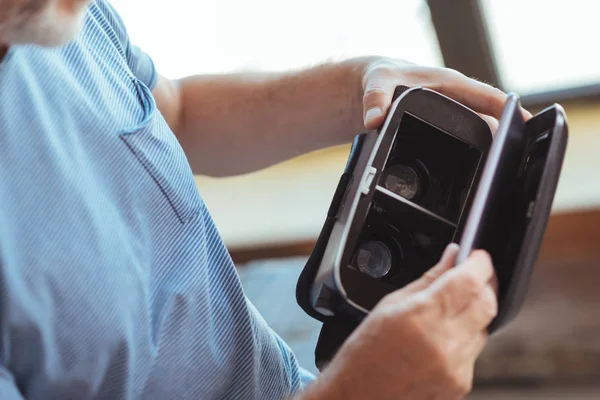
[[237, 123]]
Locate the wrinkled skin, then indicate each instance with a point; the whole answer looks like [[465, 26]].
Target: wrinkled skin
[[420, 342]]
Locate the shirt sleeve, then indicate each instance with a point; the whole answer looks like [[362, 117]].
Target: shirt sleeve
[[139, 62]]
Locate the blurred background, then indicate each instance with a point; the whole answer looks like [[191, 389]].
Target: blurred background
[[545, 50]]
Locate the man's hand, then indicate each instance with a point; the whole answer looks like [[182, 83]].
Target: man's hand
[[382, 76], [237, 123], [420, 342]]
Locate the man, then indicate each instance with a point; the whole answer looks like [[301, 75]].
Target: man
[[114, 282]]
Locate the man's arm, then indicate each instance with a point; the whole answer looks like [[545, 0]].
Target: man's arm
[[237, 123], [419, 342]]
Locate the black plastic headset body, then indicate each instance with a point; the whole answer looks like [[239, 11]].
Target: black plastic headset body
[[489, 205]]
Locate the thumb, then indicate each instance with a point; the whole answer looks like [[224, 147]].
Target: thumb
[[377, 99]]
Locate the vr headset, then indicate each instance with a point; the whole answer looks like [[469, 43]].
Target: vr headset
[[431, 175]]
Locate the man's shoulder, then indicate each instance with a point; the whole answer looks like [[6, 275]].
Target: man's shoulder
[[109, 19], [140, 63], [87, 82]]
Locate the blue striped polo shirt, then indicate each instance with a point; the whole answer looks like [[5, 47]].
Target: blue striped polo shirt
[[114, 282]]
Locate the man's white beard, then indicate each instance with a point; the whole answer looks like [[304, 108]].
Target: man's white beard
[[47, 27]]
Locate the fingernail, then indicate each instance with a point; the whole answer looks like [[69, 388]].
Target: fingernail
[[372, 114], [452, 248]]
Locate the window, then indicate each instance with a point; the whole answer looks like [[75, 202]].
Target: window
[[543, 49], [212, 36], [543, 45]]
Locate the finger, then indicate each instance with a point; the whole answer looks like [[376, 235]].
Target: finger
[[377, 99], [467, 350], [470, 345], [458, 288], [478, 343], [473, 349], [480, 313], [526, 114], [495, 284], [446, 262], [479, 265], [464, 380], [492, 123], [479, 96]]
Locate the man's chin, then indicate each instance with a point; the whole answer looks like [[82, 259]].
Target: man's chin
[[50, 28], [53, 38]]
